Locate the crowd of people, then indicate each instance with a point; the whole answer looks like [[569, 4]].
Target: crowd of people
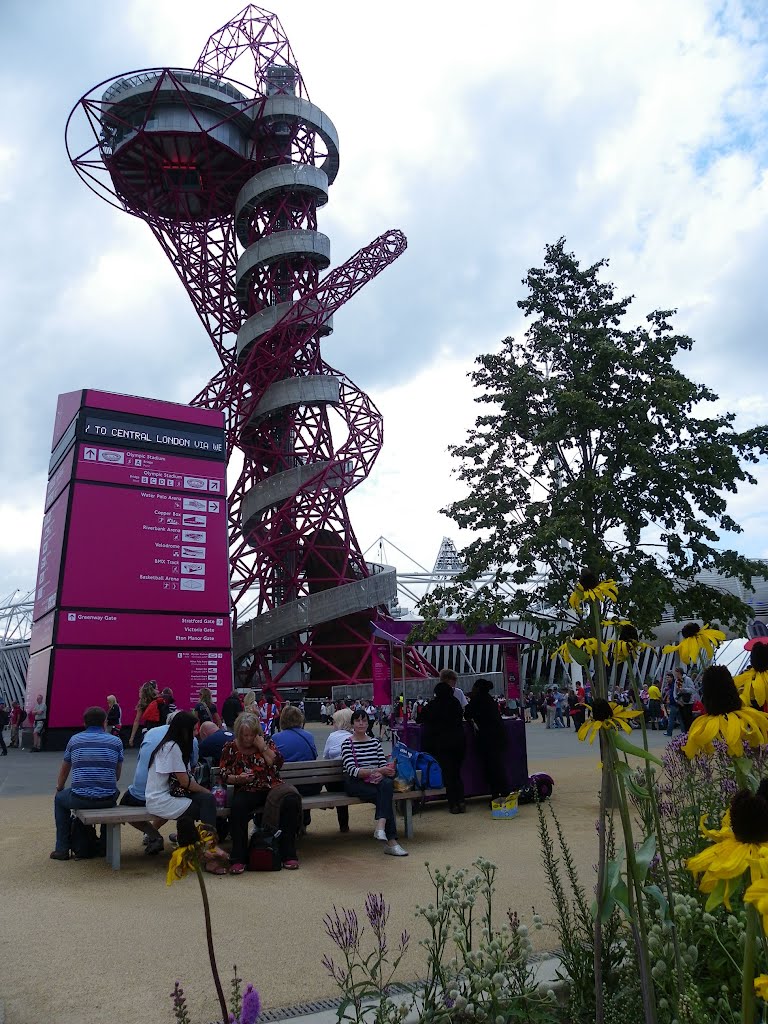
[[244, 747], [668, 703]]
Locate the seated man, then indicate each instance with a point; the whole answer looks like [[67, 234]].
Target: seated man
[[95, 760], [134, 796], [212, 742]]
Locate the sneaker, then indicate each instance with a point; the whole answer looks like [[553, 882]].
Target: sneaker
[[173, 839], [60, 855], [396, 851], [380, 834], [155, 846], [145, 839]]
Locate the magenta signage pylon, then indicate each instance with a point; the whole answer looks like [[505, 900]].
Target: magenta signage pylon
[[229, 175], [133, 579]]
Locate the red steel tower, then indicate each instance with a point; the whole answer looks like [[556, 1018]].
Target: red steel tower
[[229, 178]]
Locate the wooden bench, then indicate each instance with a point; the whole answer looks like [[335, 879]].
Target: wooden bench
[[297, 773]]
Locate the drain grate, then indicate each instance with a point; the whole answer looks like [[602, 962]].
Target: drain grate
[[321, 1005]]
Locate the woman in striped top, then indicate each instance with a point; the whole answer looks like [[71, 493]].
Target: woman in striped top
[[368, 775]]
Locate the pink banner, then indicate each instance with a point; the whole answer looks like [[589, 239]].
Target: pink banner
[[150, 407], [82, 678], [150, 469], [512, 666], [37, 677], [42, 633], [135, 549], [60, 479], [66, 410], [134, 629], [49, 562], [382, 684]]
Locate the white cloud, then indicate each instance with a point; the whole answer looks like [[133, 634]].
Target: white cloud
[[638, 130]]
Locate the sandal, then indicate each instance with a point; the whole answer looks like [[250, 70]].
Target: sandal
[[214, 868], [291, 865], [236, 869]]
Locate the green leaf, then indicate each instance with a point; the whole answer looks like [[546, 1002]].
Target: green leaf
[[643, 857], [656, 894], [623, 743], [578, 654], [630, 781], [616, 894], [717, 896]]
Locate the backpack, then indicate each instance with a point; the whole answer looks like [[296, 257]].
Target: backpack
[[83, 840], [406, 772], [264, 850], [202, 712], [431, 774]]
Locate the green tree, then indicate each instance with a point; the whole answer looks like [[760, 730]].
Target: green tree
[[592, 451]]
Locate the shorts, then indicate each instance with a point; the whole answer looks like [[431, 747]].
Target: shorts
[[39, 726], [129, 800]]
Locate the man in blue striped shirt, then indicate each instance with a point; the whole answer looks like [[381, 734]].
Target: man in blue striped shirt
[[95, 759]]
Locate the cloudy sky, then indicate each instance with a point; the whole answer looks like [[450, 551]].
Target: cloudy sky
[[635, 129]]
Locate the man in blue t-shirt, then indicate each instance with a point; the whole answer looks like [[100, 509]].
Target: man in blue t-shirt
[[212, 742], [94, 758]]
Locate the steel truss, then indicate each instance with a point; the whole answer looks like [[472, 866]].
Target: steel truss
[[229, 177]]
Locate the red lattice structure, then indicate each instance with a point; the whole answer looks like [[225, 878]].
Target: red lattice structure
[[229, 178]]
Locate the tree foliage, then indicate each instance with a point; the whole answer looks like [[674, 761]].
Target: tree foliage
[[592, 450]]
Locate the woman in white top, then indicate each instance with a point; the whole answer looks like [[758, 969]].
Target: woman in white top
[[342, 727], [171, 792]]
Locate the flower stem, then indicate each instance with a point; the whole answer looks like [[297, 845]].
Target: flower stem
[[661, 848], [602, 685], [748, 1002], [209, 937], [601, 877], [639, 927]]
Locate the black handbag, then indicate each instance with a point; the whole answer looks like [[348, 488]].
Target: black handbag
[[264, 851]]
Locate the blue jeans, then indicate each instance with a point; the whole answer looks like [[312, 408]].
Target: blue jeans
[[380, 795], [675, 718], [63, 804]]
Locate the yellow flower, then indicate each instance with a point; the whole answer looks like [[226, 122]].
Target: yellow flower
[[738, 846], [734, 727], [586, 643], [757, 894], [726, 716], [606, 715], [752, 686], [761, 986], [696, 639], [628, 643], [589, 588], [186, 858], [183, 860], [615, 623]]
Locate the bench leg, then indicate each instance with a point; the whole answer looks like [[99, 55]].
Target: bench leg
[[113, 846], [408, 818]]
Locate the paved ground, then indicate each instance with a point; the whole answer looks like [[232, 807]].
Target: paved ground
[[80, 944]]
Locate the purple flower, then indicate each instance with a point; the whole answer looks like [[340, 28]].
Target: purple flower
[[251, 1006], [343, 928], [377, 910]]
